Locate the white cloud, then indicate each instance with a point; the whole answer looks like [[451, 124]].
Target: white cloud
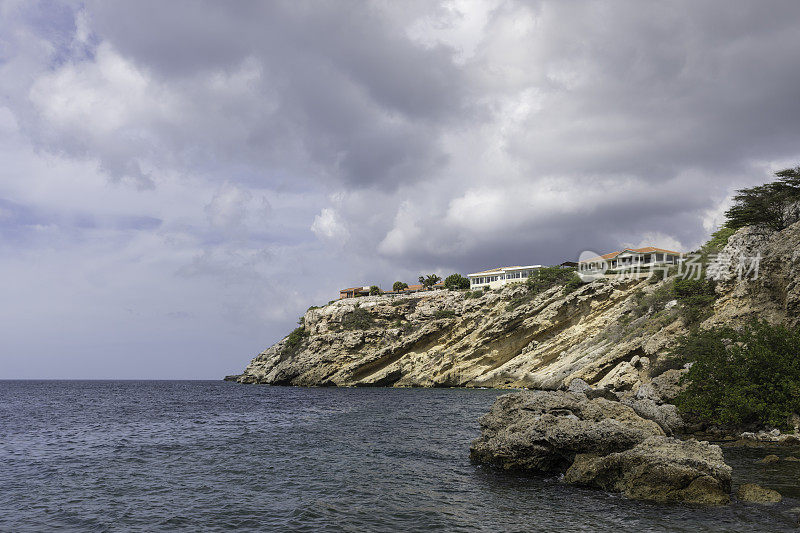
[[328, 225]]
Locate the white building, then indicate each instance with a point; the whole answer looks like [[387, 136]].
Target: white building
[[632, 259], [497, 277]]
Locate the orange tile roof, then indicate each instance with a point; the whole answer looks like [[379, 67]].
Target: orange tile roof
[[645, 250]]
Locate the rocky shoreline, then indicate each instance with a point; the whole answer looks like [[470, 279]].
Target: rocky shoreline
[[591, 438], [597, 365]]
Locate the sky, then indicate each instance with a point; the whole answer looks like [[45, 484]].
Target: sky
[[180, 181]]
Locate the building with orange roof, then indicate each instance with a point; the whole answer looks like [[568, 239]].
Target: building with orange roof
[[631, 258]]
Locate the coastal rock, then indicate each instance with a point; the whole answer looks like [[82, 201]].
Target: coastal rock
[[665, 415], [516, 338], [769, 459], [543, 431], [668, 385], [662, 469], [599, 443], [752, 493]]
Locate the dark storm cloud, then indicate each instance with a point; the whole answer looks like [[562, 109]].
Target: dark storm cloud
[[341, 79], [230, 155]]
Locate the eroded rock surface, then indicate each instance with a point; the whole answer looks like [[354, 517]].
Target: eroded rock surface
[[750, 492], [599, 443]]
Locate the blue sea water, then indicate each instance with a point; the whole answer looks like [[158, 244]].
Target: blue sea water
[[215, 456]]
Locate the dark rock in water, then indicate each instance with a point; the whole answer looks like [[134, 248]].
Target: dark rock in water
[[542, 431], [234, 377], [599, 443], [750, 492], [660, 469], [769, 459]]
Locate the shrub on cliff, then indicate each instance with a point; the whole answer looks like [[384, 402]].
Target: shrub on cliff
[[295, 339], [548, 277], [747, 376], [358, 319], [455, 282], [374, 290], [695, 297]]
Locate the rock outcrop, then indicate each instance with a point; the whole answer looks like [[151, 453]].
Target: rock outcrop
[[599, 443], [752, 493], [543, 431], [608, 333]]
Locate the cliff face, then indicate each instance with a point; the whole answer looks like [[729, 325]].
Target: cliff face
[[610, 333]]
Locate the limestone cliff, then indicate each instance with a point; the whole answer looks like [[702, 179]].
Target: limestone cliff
[[610, 333]]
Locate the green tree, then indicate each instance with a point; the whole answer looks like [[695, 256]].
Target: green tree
[[746, 376], [374, 290], [765, 204], [429, 281], [455, 282], [399, 286]]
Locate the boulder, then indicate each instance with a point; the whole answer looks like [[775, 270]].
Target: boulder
[[769, 459], [543, 431], [750, 492], [599, 443], [668, 384], [662, 469]]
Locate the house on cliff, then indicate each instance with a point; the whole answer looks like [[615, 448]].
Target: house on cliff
[[497, 277], [632, 259]]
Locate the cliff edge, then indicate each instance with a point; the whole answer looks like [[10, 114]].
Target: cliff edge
[[614, 334]]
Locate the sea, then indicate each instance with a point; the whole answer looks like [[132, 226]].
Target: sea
[[218, 456]]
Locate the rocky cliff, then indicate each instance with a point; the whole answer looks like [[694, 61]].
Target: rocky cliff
[[614, 334]]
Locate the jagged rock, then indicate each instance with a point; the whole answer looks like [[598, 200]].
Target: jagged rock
[[578, 386], [665, 415], [599, 443], [542, 431], [750, 492], [668, 385], [662, 469]]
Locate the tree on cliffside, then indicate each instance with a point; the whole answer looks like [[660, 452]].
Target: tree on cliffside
[[766, 204], [429, 281], [374, 290], [399, 286], [455, 282]]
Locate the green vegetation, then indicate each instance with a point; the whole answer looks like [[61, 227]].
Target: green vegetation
[[717, 242], [429, 281], [399, 286], [295, 339], [374, 290], [358, 319], [444, 313], [765, 204], [749, 376], [473, 294], [695, 297], [656, 301], [546, 278], [455, 282]]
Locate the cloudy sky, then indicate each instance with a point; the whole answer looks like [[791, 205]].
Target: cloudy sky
[[180, 180]]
